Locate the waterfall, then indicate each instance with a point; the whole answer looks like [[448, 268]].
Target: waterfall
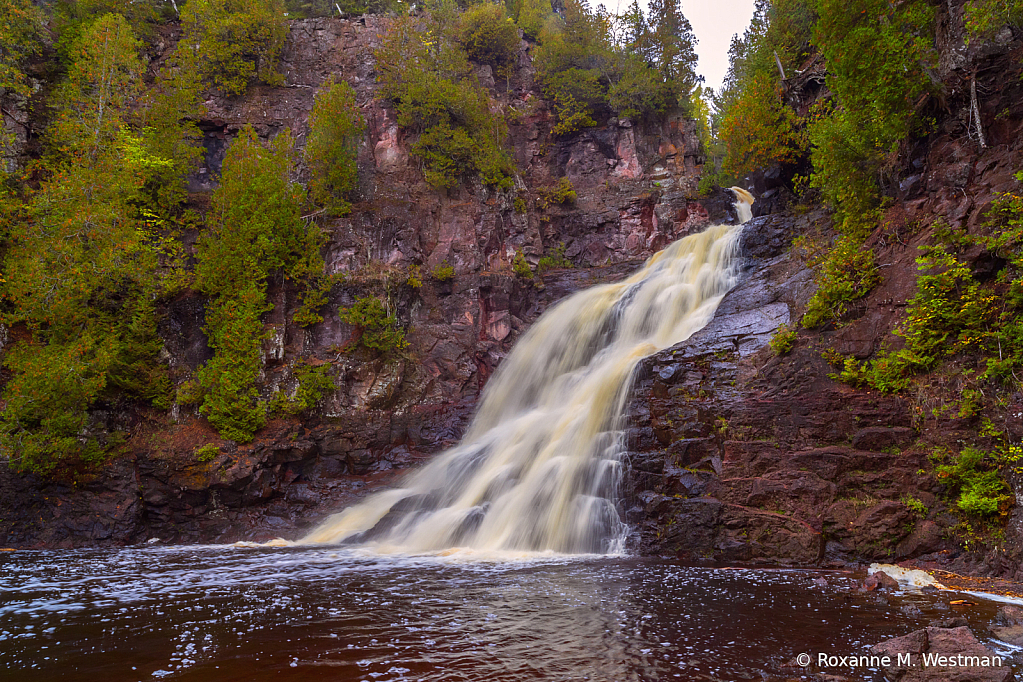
[[540, 466]]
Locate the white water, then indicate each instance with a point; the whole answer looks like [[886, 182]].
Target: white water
[[540, 466]]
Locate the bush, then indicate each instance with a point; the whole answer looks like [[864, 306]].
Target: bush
[[520, 266], [377, 330], [207, 453], [561, 193], [759, 130], [783, 340], [553, 259], [489, 36], [847, 273], [976, 484], [443, 272], [256, 229], [336, 127], [313, 382], [436, 94], [236, 40]]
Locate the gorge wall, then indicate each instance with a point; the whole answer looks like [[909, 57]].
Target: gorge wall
[[736, 453], [635, 189]]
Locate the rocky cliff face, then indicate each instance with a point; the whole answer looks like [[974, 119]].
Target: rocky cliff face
[[738, 454], [635, 187]]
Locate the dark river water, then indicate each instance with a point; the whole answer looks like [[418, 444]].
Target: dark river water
[[226, 613]]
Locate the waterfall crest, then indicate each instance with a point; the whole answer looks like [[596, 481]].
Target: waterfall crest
[[540, 466]]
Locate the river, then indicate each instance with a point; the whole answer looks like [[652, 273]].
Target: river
[[319, 613]]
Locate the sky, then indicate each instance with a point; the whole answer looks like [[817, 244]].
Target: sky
[[714, 22]]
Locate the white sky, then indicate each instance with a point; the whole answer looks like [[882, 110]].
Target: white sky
[[714, 22]]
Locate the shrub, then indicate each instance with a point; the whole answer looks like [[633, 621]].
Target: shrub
[[256, 229], [915, 505], [336, 127], [313, 382], [783, 340], [207, 453], [759, 130], [236, 40], [520, 266], [377, 330], [553, 259], [976, 484], [847, 273], [520, 205], [314, 297], [443, 272], [489, 36], [561, 193], [436, 94], [879, 58]]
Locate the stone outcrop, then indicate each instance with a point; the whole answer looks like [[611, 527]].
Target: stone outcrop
[[738, 455], [938, 654]]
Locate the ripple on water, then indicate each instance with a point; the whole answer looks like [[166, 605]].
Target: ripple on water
[[319, 613]]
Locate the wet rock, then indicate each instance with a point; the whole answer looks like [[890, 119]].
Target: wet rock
[[878, 438], [880, 581], [1008, 626], [943, 655]]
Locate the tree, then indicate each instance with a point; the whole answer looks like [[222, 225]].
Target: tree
[[236, 41], [255, 229], [104, 77], [336, 127], [673, 46]]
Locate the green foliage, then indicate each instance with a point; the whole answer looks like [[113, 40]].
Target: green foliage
[[255, 229], [314, 297], [520, 266], [303, 9], [443, 272], [313, 382], [377, 329], [234, 330], [530, 15], [560, 193], [21, 30], [429, 78], [879, 58], [976, 484], [45, 422], [84, 264], [759, 130], [984, 17], [846, 273], [489, 36], [553, 259], [336, 127], [915, 505], [207, 453], [754, 127], [592, 64], [413, 277], [520, 205], [783, 340], [103, 79], [236, 41]]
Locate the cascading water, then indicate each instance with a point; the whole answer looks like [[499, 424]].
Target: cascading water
[[540, 466]]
